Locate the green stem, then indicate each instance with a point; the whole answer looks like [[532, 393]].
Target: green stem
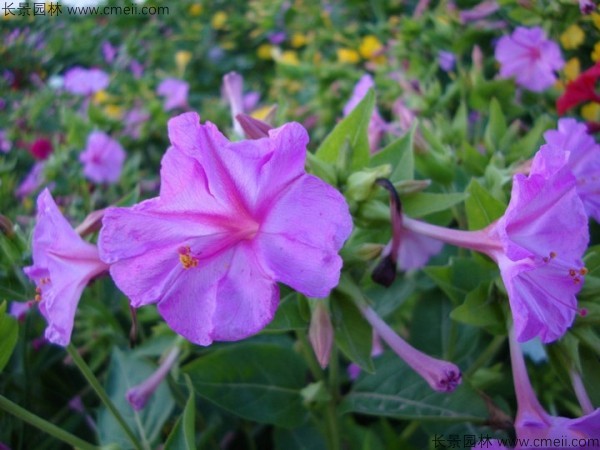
[[44, 425], [95, 384], [333, 429], [487, 354], [309, 356]]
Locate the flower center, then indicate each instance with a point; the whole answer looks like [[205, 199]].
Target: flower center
[[186, 259], [38, 290]]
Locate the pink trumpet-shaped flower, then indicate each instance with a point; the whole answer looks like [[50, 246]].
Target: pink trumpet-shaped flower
[[538, 245], [82, 81], [232, 219], [535, 428], [584, 160], [102, 159], [63, 265], [139, 395], [442, 376], [175, 93], [530, 57]]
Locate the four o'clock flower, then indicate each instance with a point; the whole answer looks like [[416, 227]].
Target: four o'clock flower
[[82, 81], [102, 159], [63, 265], [175, 92], [584, 160], [538, 245], [582, 89], [232, 219], [530, 57]]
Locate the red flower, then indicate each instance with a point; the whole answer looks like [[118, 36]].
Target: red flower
[[580, 90], [41, 149]]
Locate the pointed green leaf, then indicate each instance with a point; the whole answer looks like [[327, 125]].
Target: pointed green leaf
[[350, 132], [9, 332], [289, 314], [257, 381], [481, 207], [496, 127], [183, 435], [398, 154], [395, 390], [127, 370], [353, 334], [480, 310], [421, 204]]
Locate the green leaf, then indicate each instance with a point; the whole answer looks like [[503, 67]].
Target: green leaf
[[496, 128], [352, 132], [183, 435], [480, 310], [481, 207], [289, 314], [398, 154], [353, 334], [257, 381], [9, 332], [421, 204], [395, 390], [461, 276], [528, 145], [306, 437], [127, 370]]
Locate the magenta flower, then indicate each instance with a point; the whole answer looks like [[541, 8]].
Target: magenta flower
[[41, 149], [108, 52], [82, 81], [584, 160], [175, 93], [63, 265], [5, 144], [587, 6], [538, 245], [479, 11], [442, 376], [377, 126], [102, 159], [534, 423], [446, 60], [239, 103], [530, 57], [139, 395], [232, 219]]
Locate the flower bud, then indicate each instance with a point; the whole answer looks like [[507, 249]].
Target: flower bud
[[320, 333], [360, 184]]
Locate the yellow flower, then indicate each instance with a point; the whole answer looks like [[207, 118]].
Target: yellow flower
[[572, 69], [371, 48], [227, 45], [196, 9], [100, 97], [219, 20], [298, 40], [261, 113], [182, 59], [347, 55], [265, 51], [113, 111], [596, 52], [596, 19], [289, 57], [572, 37], [591, 112]]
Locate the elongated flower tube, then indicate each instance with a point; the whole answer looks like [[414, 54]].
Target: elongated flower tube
[[63, 265], [538, 245], [139, 395], [232, 220], [441, 375]]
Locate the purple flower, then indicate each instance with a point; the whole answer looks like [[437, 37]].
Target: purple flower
[[20, 309], [538, 245], [137, 69], [233, 92], [480, 11], [534, 423], [82, 81], [377, 126], [102, 159], [232, 219], [5, 144], [277, 37], [587, 6], [139, 395], [446, 60], [63, 265], [32, 181], [583, 161], [175, 92], [442, 376], [530, 57], [108, 52], [134, 119]]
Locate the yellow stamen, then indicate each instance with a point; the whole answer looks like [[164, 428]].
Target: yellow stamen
[[186, 259]]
